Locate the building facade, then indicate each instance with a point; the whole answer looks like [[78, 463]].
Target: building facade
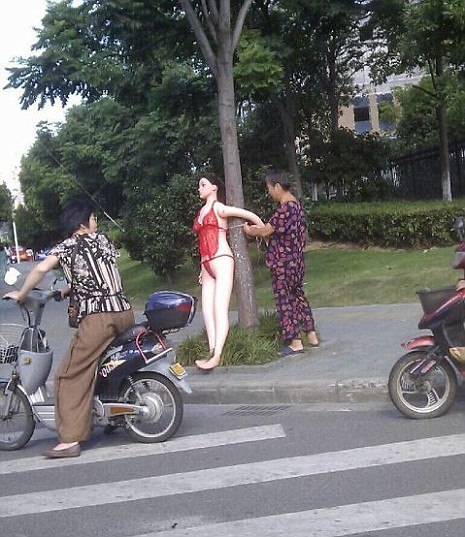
[[363, 114]]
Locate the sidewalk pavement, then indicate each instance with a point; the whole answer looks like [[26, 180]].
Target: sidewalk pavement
[[359, 345]]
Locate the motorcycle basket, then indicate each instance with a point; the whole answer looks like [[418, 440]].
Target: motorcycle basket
[[10, 338], [431, 299]]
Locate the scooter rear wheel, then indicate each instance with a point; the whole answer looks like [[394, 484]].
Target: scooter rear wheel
[[424, 397], [162, 403], [17, 422]]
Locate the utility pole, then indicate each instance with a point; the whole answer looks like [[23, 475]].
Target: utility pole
[[15, 238], [15, 194]]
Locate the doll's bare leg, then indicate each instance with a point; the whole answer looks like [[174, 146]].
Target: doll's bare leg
[[208, 307], [224, 285], [224, 271]]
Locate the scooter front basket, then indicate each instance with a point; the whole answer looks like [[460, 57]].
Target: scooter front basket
[[10, 339], [431, 299], [34, 369]]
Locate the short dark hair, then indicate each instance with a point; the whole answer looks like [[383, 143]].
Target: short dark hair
[[76, 212], [275, 176]]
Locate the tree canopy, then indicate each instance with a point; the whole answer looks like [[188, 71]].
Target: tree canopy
[[153, 78], [5, 203], [430, 39]]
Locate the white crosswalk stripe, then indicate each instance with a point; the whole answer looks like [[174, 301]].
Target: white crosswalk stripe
[[175, 445], [341, 520], [390, 513], [232, 476]]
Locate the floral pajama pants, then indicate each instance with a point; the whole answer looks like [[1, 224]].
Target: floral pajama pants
[[291, 304]]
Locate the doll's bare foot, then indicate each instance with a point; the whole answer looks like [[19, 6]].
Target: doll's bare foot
[[313, 339], [208, 365]]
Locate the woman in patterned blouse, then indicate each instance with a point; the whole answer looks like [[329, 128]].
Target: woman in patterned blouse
[[285, 234], [89, 261]]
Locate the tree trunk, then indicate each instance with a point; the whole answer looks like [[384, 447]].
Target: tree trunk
[[244, 285], [314, 192], [444, 155], [286, 115], [443, 138], [217, 17], [292, 160]]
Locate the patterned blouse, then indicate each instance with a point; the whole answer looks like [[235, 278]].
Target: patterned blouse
[[287, 241], [97, 283]]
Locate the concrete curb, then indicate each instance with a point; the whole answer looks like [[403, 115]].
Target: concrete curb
[[278, 391]]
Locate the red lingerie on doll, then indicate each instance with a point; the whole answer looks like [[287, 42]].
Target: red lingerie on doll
[[208, 232]]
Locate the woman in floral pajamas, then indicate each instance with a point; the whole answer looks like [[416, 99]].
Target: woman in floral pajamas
[[285, 234]]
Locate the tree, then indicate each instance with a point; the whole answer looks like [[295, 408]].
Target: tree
[[415, 113], [95, 49], [159, 229], [218, 49], [317, 45], [77, 159], [43, 185], [144, 107], [28, 228], [6, 203], [430, 39], [331, 161], [179, 131]]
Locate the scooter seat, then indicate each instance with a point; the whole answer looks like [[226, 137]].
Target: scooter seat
[[130, 334]]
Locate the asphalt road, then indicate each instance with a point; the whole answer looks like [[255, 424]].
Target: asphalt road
[[289, 470], [301, 470]]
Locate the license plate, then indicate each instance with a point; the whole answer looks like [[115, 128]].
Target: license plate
[[178, 370]]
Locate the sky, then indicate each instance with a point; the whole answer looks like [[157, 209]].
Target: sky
[[17, 35]]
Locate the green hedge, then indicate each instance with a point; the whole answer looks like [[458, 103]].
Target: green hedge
[[388, 224]]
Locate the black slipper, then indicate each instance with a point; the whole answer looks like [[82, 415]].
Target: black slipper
[[72, 451], [289, 351]]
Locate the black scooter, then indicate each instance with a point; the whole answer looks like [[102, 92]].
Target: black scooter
[[138, 380]]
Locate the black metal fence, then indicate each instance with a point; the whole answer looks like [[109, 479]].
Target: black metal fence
[[417, 175]]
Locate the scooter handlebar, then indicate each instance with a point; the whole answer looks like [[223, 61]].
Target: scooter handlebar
[[57, 296]]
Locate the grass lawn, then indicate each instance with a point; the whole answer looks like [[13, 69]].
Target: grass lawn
[[336, 275]]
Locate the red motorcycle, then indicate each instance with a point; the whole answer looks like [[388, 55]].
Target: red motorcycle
[[423, 382]]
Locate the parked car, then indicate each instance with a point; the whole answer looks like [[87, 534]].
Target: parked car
[[25, 254], [42, 254]]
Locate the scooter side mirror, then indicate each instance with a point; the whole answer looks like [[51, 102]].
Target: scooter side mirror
[[11, 276]]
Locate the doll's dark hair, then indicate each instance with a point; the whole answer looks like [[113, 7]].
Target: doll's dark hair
[[214, 180]]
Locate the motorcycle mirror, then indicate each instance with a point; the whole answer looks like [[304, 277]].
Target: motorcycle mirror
[[11, 276]]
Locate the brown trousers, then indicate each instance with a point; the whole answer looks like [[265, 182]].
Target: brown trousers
[[75, 378]]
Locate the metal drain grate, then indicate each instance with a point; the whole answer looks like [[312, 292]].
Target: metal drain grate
[[258, 410]]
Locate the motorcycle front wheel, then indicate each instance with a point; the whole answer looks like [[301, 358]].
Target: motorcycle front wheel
[[422, 397], [17, 422], [163, 407]]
